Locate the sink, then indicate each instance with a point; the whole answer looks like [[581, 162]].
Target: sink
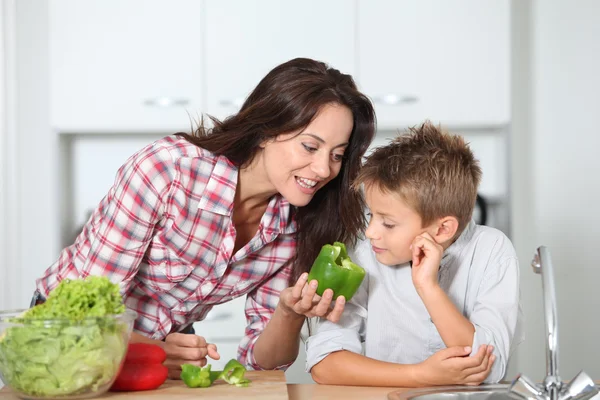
[[482, 392]]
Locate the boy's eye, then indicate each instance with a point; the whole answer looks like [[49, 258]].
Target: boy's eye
[[388, 226], [308, 148]]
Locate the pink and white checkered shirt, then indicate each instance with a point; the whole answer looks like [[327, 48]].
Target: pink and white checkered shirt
[[164, 232]]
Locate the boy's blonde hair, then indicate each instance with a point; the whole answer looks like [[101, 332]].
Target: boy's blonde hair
[[434, 172]]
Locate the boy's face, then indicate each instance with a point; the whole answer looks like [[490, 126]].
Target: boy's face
[[393, 226]]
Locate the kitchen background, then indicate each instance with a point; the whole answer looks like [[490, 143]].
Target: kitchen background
[[85, 83]]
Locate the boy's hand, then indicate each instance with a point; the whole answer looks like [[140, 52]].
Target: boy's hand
[[302, 299], [453, 366], [426, 257]]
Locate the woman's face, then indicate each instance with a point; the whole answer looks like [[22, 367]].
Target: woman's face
[[299, 164]]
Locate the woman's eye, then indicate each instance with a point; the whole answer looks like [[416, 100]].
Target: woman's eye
[[337, 157], [308, 148]]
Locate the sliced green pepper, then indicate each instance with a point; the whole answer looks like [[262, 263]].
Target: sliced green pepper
[[333, 269], [197, 377], [233, 373]]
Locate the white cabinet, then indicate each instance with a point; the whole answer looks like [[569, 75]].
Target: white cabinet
[[125, 65], [225, 326], [153, 65], [245, 39], [447, 61]]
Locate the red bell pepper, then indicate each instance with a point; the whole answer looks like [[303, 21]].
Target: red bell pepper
[[142, 369]]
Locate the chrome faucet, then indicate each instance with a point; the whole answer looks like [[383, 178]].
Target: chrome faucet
[[582, 386]]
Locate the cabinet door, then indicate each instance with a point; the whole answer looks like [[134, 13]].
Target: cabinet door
[[443, 60], [245, 39], [125, 65], [224, 326]]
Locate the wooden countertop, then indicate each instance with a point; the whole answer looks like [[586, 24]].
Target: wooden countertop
[[328, 392], [266, 385]]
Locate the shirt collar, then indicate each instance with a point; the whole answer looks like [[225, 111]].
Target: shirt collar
[[287, 222], [219, 195], [219, 192], [278, 218], [452, 253]]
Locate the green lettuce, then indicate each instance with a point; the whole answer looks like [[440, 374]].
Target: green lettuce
[[68, 345]]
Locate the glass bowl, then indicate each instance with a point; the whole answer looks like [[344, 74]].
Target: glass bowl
[[62, 358]]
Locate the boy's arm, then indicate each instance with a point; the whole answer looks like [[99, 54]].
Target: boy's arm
[[497, 314], [446, 367], [453, 327], [348, 368], [347, 334]]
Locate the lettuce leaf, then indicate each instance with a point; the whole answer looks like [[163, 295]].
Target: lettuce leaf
[[66, 345]]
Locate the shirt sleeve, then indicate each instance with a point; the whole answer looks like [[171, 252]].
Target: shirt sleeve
[[260, 306], [115, 238], [497, 315], [347, 334]]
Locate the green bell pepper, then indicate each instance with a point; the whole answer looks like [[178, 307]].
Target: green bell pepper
[[197, 377], [233, 373], [334, 269]]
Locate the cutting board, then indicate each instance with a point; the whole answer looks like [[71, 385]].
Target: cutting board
[[267, 385]]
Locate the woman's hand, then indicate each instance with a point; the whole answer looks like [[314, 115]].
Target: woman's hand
[[454, 366], [184, 348], [181, 348], [302, 299]]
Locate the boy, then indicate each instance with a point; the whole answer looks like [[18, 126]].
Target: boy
[[438, 287]]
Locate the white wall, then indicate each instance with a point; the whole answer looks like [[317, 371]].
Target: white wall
[[3, 136], [530, 354], [556, 190], [8, 262], [36, 151]]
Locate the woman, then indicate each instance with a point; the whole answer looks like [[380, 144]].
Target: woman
[[243, 208]]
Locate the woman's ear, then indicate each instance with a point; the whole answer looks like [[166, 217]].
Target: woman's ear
[[265, 142], [446, 229]]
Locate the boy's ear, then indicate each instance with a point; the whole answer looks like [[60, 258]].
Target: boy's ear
[[446, 229]]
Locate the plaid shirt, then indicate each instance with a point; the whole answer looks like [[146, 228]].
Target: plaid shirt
[[164, 232]]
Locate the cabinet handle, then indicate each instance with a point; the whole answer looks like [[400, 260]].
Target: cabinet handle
[[236, 103], [166, 102], [395, 100]]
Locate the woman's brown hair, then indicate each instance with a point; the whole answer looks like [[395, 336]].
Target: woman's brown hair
[[286, 100]]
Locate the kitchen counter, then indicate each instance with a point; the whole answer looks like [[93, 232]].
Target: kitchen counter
[[327, 392], [266, 385]]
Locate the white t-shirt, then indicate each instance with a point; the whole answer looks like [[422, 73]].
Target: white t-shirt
[[480, 274]]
